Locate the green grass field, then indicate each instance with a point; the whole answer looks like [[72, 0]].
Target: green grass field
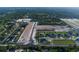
[[64, 42]]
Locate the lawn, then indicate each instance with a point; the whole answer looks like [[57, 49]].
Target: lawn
[[64, 42]]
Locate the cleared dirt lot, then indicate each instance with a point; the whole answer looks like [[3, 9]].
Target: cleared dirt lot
[[52, 28]]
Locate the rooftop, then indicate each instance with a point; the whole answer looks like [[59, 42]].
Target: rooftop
[[24, 20], [25, 36]]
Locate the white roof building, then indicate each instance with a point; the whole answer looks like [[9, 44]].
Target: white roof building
[[23, 20]]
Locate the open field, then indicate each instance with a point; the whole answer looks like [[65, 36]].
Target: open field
[[63, 42], [56, 28]]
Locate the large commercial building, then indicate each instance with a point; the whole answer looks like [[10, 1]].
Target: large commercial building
[[24, 20], [27, 34]]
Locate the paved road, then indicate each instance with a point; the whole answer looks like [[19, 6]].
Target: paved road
[[8, 36], [34, 34]]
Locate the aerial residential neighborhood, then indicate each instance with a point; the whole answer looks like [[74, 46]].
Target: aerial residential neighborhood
[[46, 29]]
